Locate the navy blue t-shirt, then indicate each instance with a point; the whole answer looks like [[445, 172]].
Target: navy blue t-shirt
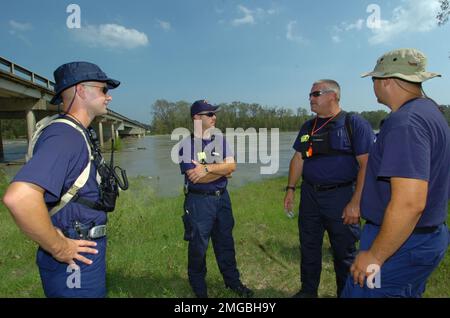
[[215, 149], [414, 142], [336, 168], [59, 157]]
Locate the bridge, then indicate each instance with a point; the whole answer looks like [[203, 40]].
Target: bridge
[[26, 95]]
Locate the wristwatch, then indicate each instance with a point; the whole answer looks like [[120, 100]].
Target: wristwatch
[[289, 188]]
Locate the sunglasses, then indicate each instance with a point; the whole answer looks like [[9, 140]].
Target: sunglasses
[[319, 93], [210, 114], [105, 89]]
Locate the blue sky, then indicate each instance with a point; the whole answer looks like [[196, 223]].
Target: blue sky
[[268, 52]]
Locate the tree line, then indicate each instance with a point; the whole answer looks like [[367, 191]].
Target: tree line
[[166, 116]]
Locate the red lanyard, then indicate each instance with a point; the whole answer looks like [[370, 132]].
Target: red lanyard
[[323, 125]]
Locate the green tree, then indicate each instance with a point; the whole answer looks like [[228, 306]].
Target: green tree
[[374, 117], [445, 109], [13, 128], [444, 13], [167, 116]]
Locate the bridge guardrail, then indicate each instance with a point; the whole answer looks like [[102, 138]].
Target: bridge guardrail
[[22, 72]]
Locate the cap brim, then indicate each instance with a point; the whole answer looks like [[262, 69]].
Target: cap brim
[[213, 109], [112, 83], [367, 74], [57, 99], [414, 78]]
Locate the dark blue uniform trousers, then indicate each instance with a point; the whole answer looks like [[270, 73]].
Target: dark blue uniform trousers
[[60, 281], [320, 211], [405, 273], [209, 216]]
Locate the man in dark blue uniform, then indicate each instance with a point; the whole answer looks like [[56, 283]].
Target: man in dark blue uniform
[[331, 157], [72, 242], [207, 161], [407, 185]]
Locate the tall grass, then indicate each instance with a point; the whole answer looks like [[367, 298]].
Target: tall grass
[[118, 145], [147, 256]]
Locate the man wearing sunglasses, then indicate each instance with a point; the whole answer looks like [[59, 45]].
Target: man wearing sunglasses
[[71, 236], [206, 161], [407, 186], [331, 157]]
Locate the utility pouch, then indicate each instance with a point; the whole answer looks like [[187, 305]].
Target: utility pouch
[[109, 194], [320, 144], [110, 183], [188, 228], [304, 146]]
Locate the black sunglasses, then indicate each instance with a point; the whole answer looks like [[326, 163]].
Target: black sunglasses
[[105, 89], [210, 114], [319, 93]]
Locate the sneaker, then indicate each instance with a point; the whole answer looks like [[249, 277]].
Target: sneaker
[[304, 294], [242, 291]]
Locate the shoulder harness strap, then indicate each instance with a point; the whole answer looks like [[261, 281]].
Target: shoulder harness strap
[[348, 128], [82, 178]]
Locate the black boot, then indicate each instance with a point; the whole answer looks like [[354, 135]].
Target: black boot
[[304, 294], [242, 290]]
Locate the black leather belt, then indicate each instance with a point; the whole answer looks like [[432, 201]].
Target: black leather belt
[[417, 230], [215, 193], [327, 187]]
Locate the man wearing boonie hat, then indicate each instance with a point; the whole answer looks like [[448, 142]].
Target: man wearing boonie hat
[[72, 242], [407, 185]]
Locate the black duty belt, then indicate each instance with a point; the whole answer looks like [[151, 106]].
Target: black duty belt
[[215, 193], [86, 232], [327, 187], [417, 230]]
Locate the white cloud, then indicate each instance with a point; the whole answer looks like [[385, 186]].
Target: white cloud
[[18, 26], [252, 16], [358, 25], [164, 25], [246, 19], [337, 29], [111, 36], [18, 30], [290, 33], [336, 38], [412, 16]]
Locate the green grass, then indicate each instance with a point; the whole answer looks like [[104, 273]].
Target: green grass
[[118, 145], [147, 256]]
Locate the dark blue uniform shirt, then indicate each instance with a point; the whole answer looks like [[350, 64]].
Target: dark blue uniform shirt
[[59, 157], [414, 142], [337, 168], [216, 150]]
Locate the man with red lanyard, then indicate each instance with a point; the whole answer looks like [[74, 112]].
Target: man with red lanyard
[[331, 157]]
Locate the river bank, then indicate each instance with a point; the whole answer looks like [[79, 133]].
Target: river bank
[[147, 254]]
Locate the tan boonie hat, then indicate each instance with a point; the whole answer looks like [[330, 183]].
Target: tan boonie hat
[[406, 64]]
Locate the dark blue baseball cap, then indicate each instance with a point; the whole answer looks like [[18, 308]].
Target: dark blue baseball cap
[[70, 74], [202, 106]]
